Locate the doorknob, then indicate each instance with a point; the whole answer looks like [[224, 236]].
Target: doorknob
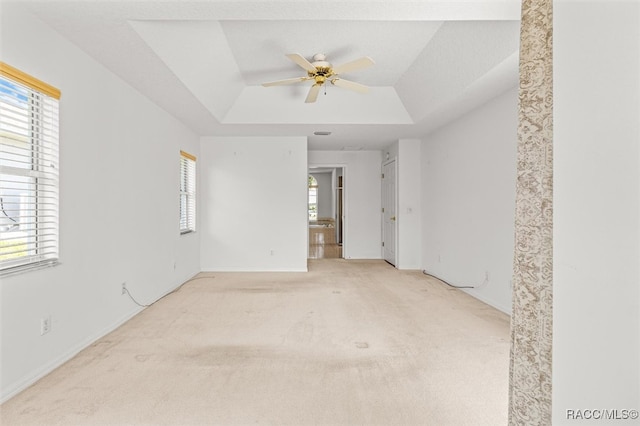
[[393, 218]]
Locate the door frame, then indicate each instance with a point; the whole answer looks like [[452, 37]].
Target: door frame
[[385, 163], [345, 193]]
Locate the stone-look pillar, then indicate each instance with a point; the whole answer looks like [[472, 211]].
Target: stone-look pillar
[[531, 320]]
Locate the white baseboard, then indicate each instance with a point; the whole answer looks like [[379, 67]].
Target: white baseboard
[[249, 269], [15, 388], [488, 301]]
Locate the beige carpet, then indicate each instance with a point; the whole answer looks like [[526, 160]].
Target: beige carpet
[[349, 343]]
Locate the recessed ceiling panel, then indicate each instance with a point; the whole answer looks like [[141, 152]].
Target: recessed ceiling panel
[[259, 47], [286, 105], [198, 54], [459, 54], [202, 61]]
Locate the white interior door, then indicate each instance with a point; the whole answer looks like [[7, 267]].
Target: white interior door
[[389, 222]]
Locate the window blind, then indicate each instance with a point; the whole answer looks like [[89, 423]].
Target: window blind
[[187, 192], [28, 171]]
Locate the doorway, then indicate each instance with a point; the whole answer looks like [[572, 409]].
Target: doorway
[[326, 206]]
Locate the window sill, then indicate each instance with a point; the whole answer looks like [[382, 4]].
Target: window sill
[[18, 270]]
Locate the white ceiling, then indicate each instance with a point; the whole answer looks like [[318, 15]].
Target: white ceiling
[[203, 61]]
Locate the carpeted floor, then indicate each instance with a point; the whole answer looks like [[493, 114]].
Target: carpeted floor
[[348, 343]]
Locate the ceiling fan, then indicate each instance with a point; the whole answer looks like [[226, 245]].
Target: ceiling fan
[[321, 71]]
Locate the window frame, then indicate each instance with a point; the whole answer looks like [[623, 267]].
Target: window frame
[[187, 198], [29, 167]]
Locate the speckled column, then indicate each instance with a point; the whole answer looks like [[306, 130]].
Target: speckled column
[[531, 322]]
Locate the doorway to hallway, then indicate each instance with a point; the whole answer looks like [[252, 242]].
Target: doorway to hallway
[[326, 212]]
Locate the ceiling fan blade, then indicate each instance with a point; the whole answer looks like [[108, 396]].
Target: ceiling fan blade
[[300, 60], [313, 93], [350, 85], [353, 65], [287, 81]]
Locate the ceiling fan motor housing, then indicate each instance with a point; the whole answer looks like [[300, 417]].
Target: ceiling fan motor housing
[[323, 71]]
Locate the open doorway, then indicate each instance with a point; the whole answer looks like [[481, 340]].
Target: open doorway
[[326, 212]]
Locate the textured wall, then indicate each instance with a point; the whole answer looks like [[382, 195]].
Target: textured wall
[[531, 320]]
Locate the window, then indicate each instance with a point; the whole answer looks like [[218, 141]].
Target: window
[[313, 198], [28, 171], [187, 193]]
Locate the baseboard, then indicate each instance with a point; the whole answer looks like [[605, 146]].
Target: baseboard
[[243, 269], [180, 283], [475, 294], [38, 374], [488, 301]]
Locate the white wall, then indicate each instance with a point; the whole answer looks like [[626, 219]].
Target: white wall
[[596, 294], [253, 203], [410, 204], [468, 200], [325, 195], [362, 190], [119, 175], [407, 155]]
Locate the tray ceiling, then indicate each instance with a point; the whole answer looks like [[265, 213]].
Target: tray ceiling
[[204, 61]]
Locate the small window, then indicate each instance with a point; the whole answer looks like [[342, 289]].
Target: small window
[[187, 193], [28, 171]]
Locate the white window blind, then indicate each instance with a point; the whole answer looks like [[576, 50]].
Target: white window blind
[[187, 192], [28, 171]]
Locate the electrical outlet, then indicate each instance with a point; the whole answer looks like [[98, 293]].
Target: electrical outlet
[[124, 288], [45, 325]]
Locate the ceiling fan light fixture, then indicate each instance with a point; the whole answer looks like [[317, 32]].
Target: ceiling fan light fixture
[[321, 71]]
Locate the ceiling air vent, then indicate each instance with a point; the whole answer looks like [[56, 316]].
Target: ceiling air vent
[[323, 133]]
